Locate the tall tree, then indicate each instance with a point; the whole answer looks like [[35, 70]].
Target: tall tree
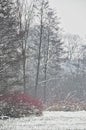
[[9, 54], [53, 47], [41, 10], [25, 15]]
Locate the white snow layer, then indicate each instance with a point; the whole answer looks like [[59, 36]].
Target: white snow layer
[[49, 121]]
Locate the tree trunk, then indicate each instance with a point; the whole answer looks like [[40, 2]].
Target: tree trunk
[[45, 68], [24, 71], [39, 53]]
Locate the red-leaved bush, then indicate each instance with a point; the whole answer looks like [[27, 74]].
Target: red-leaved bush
[[18, 104]]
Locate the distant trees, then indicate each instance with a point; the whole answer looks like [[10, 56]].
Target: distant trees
[[74, 83]]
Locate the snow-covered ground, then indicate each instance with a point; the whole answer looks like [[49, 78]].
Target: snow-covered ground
[[49, 121]]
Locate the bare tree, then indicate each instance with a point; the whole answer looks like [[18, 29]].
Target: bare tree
[[45, 39], [25, 16], [42, 5]]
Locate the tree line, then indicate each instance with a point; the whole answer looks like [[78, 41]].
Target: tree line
[[30, 45], [34, 55]]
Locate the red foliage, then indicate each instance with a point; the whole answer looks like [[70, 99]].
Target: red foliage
[[21, 98]]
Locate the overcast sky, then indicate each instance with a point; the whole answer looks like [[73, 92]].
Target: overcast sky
[[73, 15]]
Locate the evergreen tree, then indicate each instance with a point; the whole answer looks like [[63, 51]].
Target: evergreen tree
[[9, 46]]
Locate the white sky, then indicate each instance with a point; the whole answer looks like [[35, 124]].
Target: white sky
[[73, 15]]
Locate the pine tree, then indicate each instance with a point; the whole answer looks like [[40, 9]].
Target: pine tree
[[9, 54], [52, 48]]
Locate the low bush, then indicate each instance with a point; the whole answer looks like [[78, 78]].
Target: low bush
[[19, 105]]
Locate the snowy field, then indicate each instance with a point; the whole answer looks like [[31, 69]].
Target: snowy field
[[49, 121]]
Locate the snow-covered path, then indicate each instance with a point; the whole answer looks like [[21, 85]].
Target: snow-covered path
[[49, 121]]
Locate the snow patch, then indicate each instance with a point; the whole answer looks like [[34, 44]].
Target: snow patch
[[49, 121]]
